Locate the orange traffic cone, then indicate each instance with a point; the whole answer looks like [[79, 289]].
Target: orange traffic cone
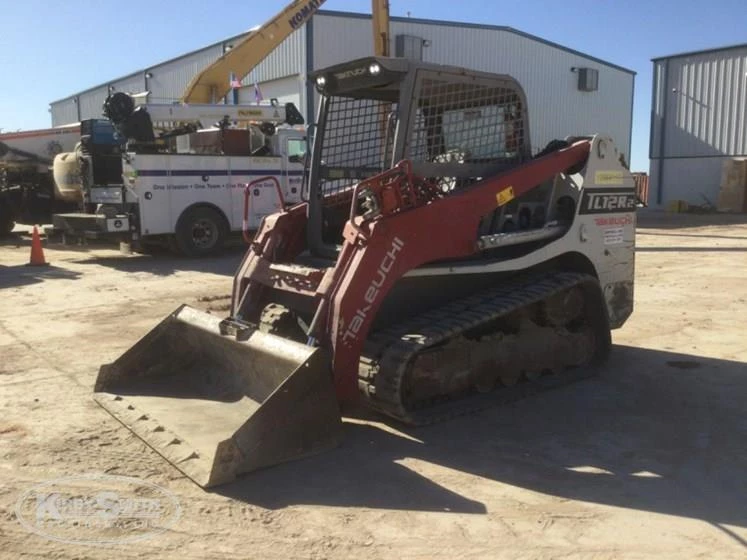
[[37, 253]]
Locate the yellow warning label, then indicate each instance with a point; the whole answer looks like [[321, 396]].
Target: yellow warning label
[[505, 196], [608, 177]]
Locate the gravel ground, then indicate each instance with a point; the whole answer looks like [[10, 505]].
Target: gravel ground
[[646, 460]]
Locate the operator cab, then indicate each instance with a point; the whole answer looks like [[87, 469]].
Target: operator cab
[[455, 126]]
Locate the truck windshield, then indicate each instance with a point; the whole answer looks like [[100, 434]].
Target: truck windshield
[[296, 149]]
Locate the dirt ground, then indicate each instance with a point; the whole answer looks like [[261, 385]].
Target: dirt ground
[[648, 460]]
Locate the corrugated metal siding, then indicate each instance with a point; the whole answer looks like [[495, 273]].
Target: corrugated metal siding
[[134, 83], [337, 39], [171, 79], [687, 179], [703, 105], [64, 111], [657, 108], [92, 103], [285, 90], [557, 108], [288, 59]]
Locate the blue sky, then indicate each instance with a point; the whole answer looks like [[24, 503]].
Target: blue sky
[[50, 49]]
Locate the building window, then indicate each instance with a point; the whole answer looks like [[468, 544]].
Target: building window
[[409, 47], [588, 79]]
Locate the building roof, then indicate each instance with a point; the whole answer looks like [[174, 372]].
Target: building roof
[[468, 25], [704, 51], [365, 16]]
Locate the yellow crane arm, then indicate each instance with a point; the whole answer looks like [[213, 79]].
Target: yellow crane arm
[[213, 82]]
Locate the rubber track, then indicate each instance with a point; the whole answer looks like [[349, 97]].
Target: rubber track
[[388, 353]]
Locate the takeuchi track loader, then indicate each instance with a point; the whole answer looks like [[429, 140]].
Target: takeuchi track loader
[[437, 266]]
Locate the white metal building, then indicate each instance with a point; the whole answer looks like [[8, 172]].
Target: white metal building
[[569, 93], [698, 117]]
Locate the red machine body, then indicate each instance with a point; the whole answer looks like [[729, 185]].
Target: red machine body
[[410, 225]]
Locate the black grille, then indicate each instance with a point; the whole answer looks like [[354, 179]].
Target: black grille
[[466, 123], [355, 142]]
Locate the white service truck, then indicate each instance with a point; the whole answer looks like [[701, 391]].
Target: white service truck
[[183, 175]]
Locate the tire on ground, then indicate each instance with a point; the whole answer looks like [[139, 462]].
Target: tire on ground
[[150, 248], [200, 231]]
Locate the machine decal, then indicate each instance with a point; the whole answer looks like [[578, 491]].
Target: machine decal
[[613, 236], [373, 290], [300, 17], [608, 177], [117, 224], [250, 113], [351, 73], [608, 201], [211, 172], [614, 221], [505, 196]]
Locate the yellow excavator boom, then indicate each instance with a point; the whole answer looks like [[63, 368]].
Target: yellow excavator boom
[[380, 13], [213, 82]]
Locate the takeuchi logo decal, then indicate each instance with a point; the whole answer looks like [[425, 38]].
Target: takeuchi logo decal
[[374, 289], [96, 509]]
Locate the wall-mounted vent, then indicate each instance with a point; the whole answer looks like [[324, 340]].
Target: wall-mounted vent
[[409, 47], [588, 79]]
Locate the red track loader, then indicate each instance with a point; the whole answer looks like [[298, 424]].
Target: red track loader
[[436, 267]]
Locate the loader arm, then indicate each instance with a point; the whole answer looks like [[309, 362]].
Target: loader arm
[[378, 252], [213, 82]]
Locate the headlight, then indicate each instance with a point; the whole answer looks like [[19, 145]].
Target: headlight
[[374, 69], [320, 81]]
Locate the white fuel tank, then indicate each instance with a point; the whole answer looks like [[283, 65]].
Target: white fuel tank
[[66, 173]]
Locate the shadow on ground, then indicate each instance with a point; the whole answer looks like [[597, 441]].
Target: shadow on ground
[[165, 263], [160, 262], [15, 240], [22, 275], [656, 431]]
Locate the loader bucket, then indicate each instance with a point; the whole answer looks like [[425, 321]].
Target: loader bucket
[[215, 406]]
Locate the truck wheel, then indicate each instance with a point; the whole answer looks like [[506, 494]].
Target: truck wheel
[[200, 232]]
